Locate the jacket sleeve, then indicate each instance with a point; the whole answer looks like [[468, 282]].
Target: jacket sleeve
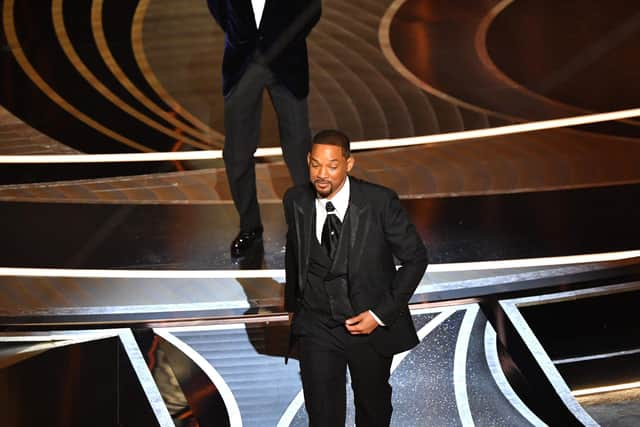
[[407, 246], [310, 16], [218, 9], [291, 263], [303, 21]]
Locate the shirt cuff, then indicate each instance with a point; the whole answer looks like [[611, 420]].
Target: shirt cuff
[[377, 319]]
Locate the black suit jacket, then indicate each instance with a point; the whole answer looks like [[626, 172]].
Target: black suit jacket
[[380, 230], [280, 40]]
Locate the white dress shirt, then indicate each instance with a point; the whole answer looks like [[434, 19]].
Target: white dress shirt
[[341, 202], [258, 8]]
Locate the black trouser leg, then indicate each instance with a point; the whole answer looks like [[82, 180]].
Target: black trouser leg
[[370, 373], [324, 354], [323, 368], [242, 110], [295, 135]]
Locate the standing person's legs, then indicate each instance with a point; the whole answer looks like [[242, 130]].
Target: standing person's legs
[[242, 110], [295, 134], [370, 373], [323, 367]]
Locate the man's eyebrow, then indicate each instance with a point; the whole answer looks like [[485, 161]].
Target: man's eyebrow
[[313, 159]]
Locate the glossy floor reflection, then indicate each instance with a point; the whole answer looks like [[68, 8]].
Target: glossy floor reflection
[[133, 77], [455, 229]]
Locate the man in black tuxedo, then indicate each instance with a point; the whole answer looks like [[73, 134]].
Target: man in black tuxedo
[[350, 304], [265, 48]]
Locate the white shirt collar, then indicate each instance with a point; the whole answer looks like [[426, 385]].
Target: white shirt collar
[[340, 202], [258, 8]]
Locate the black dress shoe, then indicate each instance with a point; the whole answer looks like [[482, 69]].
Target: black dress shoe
[[244, 241]]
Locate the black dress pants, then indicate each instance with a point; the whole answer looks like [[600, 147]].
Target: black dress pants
[[242, 113], [325, 353]]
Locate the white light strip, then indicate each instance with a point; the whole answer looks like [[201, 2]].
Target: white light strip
[[280, 273], [355, 146], [534, 262], [140, 274], [605, 389], [74, 336], [460, 366], [145, 379], [53, 341], [493, 361], [140, 309], [230, 403], [576, 294], [595, 357]]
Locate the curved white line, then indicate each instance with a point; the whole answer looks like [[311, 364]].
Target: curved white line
[[229, 399], [487, 61], [292, 410], [367, 67], [460, 367], [544, 362], [424, 331], [491, 354], [575, 295], [298, 401], [280, 273], [384, 38], [355, 146], [148, 384]]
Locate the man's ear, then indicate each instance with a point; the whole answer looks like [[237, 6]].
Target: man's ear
[[308, 158], [350, 162]]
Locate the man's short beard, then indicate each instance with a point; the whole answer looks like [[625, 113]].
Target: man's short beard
[[323, 194]]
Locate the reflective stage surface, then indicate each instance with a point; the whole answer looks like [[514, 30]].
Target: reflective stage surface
[[117, 273]]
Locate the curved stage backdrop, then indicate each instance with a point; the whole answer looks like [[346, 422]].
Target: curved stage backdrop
[[508, 128]]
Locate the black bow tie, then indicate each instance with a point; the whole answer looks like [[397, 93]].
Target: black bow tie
[[331, 230]]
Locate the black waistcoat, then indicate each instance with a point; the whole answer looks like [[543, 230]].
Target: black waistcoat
[[326, 293]]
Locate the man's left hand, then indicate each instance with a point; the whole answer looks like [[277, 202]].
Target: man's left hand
[[362, 324]]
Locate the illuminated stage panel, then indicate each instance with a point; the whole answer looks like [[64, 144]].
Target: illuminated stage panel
[[455, 229], [77, 380], [581, 45], [584, 344], [431, 41]]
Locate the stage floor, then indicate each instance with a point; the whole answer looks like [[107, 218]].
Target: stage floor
[[116, 259]]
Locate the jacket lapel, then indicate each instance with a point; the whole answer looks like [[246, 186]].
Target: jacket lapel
[[265, 13], [304, 212], [360, 221]]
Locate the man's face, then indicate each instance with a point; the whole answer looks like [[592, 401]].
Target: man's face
[[328, 169]]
